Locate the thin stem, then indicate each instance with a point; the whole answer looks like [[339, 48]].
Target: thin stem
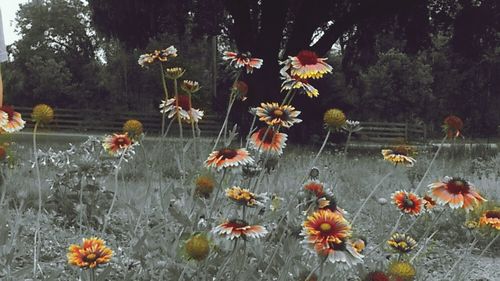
[[39, 213], [106, 218], [370, 196], [466, 253], [313, 162], [483, 252], [430, 165], [219, 187], [165, 90], [347, 144], [226, 120], [397, 224]]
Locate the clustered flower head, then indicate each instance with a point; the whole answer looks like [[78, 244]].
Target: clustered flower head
[[274, 114], [334, 119], [306, 64], [117, 143], [197, 247], [190, 86], [240, 90], [133, 128], [174, 72], [297, 83], [491, 218], [90, 254], [236, 228], [243, 196], [228, 158], [240, 60], [407, 202], [204, 185], [452, 125], [456, 192], [268, 140], [180, 106], [398, 157], [403, 270], [352, 126], [42, 114]]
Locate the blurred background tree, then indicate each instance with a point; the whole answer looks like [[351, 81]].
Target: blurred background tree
[[409, 60]]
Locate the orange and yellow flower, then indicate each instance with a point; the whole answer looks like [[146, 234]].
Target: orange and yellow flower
[[243, 196], [490, 218], [228, 158], [274, 114], [315, 187], [160, 55], [181, 106], [117, 143], [407, 202], [324, 227], [10, 120], [455, 192], [236, 228], [398, 157], [402, 243], [296, 82], [268, 140], [306, 65], [242, 60], [428, 202], [90, 254]]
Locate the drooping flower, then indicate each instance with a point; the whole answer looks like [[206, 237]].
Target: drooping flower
[[204, 185], [428, 202], [402, 243], [115, 144], [316, 187], [228, 158], [306, 65], [240, 89], [352, 126], [175, 106], [455, 192], [133, 128], [334, 119], [490, 218], [396, 158], [197, 247], [359, 245], [403, 270], [165, 54], [174, 72], [296, 82], [274, 114], [243, 196], [238, 60], [145, 59], [452, 125], [407, 202], [42, 114], [268, 140], [324, 227], [10, 120], [90, 254], [343, 254], [190, 86], [236, 228]]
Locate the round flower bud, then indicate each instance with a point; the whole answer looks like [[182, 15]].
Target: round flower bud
[[402, 270], [42, 114], [197, 247], [133, 127], [204, 185], [334, 119], [174, 72], [382, 201]]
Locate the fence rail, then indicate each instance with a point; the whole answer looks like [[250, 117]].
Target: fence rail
[[384, 131]]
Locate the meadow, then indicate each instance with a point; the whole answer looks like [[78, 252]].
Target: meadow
[[244, 205]]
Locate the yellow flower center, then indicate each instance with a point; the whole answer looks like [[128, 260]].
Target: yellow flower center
[[278, 112], [325, 227], [91, 257]]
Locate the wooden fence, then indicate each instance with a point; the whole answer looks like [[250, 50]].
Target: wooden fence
[[106, 121], [387, 132]]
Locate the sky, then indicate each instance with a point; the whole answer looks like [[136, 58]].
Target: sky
[[9, 9]]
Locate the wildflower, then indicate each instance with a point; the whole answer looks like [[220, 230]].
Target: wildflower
[[376, 276], [402, 269], [314, 173], [179, 105], [329, 202], [243, 196], [452, 126], [274, 114], [145, 59], [240, 90], [133, 128], [456, 192], [227, 158], [359, 245], [197, 247], [334, 119], [471, 224], [42, 114], [116, 143], [204, 185], [10, 120], [296, 82], [174, 72], [190, 86], [306, 65], [90, 254], [324, 227], [402, 243], [165, 54], [242, 60], [428, 202], [352, 126], [491, 218], [407, 202], [268, 140], [315, 187], [236, 228], [342, 253], [398, 158]]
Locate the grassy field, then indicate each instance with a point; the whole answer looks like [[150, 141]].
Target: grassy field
[[155, 210]]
